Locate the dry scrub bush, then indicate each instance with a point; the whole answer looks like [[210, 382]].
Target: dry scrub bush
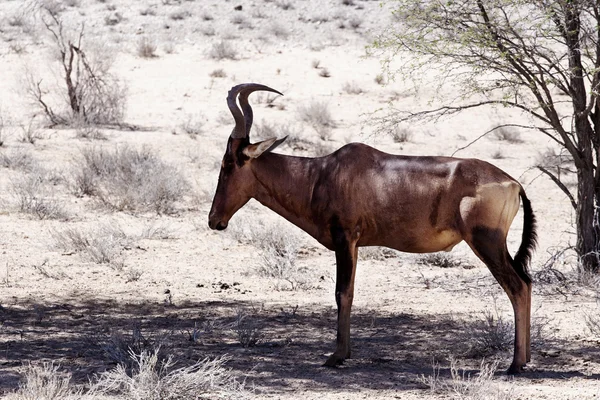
[[102, 245], [18, 159], [89, 92], [376, 253], [401, 134], [507, 135], [34, 194], [278, 252], [466, 386], [146, 47], [318, 116], [151, 379], [352, 88], [45, 382], [246, 329], [222, 50], [127, 179], [193, 125], [490, 335], [441, 260]]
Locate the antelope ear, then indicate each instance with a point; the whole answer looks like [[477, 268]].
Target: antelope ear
[[256, 149]]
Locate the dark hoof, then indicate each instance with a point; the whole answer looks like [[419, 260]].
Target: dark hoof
[[515, 370], [333, 361]]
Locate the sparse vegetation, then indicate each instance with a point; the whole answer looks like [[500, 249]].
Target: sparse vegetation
[[490, 335], [498, 155], [464, 385], [218, 73], [152, 378], [127, 179], [507, 135], [179, 15], [102, 245], [222, 50], [279, 30], [35, 195], [146, 47], [91, 92], [247, 331], [278, 251], [324, 73], [352, 88], [401, 134], [193, 125], [317, 115], [46, 381], [441, 260], [18, 158], [285, 4]]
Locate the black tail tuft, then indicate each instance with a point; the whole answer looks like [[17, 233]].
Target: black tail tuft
[[528, 242]]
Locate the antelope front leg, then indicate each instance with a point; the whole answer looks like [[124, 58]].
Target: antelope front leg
[[346, 254]]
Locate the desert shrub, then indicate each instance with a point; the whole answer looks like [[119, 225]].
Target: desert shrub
[[441, 260], [222, 50], [89, 91], [376, 253], [592, 322], [508, 135], [401, 134], [352, 88], [179, 15], [278, 251], [279, 30], [152, 379], [147, 11], [324, 73], [248, 332], [146, 47], [318, 116], [30, 132], [218, 73], [34, 194], [490, 335], [464, 385], [266, 130], [17, 158], [45, 381], [88, 131], [498, 155], [128, 179], [102, 244], [193, 125]]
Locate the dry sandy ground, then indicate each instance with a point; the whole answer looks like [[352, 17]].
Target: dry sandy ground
[[59, 305]]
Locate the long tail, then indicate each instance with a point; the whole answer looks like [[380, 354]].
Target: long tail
[[528, 242]]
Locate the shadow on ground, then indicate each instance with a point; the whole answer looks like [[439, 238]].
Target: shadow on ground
[[389, 351]]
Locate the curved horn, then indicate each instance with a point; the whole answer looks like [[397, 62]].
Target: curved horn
[[243, 122]]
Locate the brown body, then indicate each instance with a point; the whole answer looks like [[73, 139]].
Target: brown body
[[360, 196]]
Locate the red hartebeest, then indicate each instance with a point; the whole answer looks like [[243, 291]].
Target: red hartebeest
[[360, 196]]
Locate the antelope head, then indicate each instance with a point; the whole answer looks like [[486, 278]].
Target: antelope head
[[237, 183]]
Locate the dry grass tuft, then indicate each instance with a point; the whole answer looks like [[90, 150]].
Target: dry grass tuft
[[318, 116], [128, 179], [146, 47], [102, 245], [35, 195], [154, 379], [45, 381], [466, 385], [223, 50]]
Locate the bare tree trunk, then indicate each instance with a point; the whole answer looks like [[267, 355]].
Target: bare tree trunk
[[587, 245]]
